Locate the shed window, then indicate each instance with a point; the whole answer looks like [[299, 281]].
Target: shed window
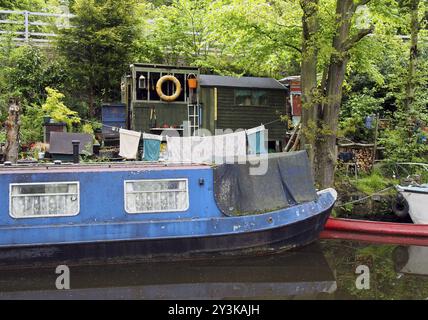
[[50, 199], [246, 97], [163, 195]]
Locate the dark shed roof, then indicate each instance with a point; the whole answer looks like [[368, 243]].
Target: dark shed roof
[[242, 82]]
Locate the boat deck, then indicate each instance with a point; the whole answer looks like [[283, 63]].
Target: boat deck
[[99, 166]]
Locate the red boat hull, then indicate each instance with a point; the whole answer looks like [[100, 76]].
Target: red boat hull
[[374, 231]]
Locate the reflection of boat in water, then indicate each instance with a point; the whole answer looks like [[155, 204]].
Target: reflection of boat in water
[[411, 260], [303, 273]]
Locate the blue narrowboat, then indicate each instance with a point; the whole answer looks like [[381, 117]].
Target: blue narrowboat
[[67, 211]]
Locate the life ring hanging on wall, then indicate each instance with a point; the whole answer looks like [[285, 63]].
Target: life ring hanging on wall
[[162, 95]]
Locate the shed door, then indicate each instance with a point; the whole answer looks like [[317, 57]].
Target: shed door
[[296, 104]]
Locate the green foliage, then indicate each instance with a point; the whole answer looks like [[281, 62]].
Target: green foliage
[[348, 207], [31, 124], [30, 5], [100, 47], [373, 183], [354, 111], [2, 136], [57, 110], [25, 72]]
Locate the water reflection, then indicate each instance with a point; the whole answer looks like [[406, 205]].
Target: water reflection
[[395, 272], [411, 260], [299, 274], [325, 270]]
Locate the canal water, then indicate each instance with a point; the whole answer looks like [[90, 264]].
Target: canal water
[[327, 269]]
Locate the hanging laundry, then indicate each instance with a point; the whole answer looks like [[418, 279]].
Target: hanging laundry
[[179, 149], [129, 141], [229, 147], [202, 149], [256, 140], [210, 149], [368, 122], [151, 147]]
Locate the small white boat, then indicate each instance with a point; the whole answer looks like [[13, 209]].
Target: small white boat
[[416, 199]]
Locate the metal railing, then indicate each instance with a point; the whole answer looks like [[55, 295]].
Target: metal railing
[[36, 27]]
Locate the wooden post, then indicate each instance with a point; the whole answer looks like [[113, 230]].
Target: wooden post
[[296, 129], [375, 140], [12, 132]]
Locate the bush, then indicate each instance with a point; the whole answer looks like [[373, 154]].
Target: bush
[[57, 110], [31, 124]]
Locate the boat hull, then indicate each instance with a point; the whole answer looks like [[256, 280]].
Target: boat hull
[[276, 239], [417, 198], [375, 231], [75, 212]]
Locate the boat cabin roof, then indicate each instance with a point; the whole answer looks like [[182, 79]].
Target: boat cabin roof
[[101, 166]]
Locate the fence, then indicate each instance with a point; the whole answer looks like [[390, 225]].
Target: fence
[[35, 27]]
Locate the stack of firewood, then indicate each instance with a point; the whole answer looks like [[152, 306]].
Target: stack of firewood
[[363, 158]]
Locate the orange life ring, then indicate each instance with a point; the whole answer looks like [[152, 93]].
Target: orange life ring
[[177, 88]]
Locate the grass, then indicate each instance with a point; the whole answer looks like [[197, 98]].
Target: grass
[[373, 183]]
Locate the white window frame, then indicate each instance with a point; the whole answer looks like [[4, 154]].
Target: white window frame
[[155, 180], [44, 215]]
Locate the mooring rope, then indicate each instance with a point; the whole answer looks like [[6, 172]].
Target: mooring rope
[[365, 198]]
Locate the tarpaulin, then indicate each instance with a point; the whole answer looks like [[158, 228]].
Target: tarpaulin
[[287, 181]]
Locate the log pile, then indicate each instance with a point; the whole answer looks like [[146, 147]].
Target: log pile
[[363, 156], [364, 159]]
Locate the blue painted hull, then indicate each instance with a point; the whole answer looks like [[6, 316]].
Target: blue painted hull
[[103, 223]]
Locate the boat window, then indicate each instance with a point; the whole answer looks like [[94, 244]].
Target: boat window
[[50, 199], [164, 195]]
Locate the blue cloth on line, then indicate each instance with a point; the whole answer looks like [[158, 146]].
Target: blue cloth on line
[[151, 149], [368, 123], [256, 143]]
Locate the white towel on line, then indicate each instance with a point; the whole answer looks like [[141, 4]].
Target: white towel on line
[[210, 149], [129, 141]]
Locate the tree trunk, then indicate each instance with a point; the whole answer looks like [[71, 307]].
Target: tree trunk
[[308, 77], [342, 42], [91, 102], [411, 77], [12, 132]]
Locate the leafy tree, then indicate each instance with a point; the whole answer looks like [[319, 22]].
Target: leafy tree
[[99, 47], [55, 108], [25, 72], [30, 5]]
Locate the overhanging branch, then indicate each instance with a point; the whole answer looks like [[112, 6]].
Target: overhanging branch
[[350, 42], [266, 34]]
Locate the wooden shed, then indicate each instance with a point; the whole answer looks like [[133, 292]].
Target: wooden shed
[[146, 111], [217, 102], [294, 92], [245, 102]]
